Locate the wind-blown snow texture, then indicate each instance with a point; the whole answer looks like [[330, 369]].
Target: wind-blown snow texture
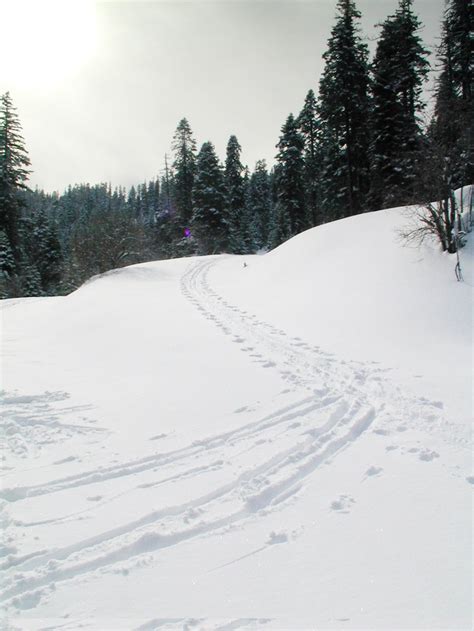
[[195, 444]]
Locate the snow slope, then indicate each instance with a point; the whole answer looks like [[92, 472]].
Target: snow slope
[[199, 444]]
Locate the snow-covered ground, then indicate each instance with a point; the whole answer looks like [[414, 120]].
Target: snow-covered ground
[[198, 444]]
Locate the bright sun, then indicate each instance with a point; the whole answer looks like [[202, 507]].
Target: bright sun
[[42, 41]]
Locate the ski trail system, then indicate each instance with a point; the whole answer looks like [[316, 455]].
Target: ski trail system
[[338, 401]]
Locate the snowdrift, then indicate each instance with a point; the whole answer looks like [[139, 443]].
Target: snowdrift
[[282, 445]]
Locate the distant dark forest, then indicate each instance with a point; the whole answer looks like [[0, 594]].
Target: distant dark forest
[[360, 144]]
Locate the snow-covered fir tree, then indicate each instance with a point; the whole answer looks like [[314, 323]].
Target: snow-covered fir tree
[[452, 128], [235, 197], [291, 215], [399, 69], [7, 262], [343, 109], [7, 265], [308, 124], [209, 224], [14, 171], [153, 197], [31, 281], [42, 250], [184, 169], [259, 206]]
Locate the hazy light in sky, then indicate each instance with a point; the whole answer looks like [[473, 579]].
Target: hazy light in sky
[[101, 87], [44, 41]]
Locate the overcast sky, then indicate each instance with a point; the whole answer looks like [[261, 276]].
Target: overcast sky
[[101, 87]]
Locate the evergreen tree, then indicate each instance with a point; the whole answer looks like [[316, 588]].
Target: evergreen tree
[[14, 163], [184, 170], [132, 200], [31, 281], [153, 196], [7, 266], [42, 250], [452, 128], [169, 230], [7, 261], [249, 243], [291, 216], [234, 197], [309, 128], [259, 205], [344, 114], [209, 224], [399, 69]]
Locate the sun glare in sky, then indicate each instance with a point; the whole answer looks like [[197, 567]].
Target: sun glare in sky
[[44, 41]]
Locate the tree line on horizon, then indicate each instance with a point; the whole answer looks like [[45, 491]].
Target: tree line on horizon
[[358, 145]]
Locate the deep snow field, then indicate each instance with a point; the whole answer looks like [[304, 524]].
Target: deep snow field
[[198, 444]]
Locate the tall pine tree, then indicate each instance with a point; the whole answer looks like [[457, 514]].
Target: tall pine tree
[[291, 215], [42, 250], [234, 197], [184, 170], [209, 224], [452, 128], [344, 114], [399, 69], [309, 128], [259, 206], [14, 172]]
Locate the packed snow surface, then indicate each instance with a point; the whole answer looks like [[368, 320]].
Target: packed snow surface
[[198, 444]]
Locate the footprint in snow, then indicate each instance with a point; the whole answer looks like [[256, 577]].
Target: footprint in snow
[[435, 404], [427, 455], [277, 537], [157, 437], [29, 600], [65, 460], [470, 479], [373, 471], [343, 504]]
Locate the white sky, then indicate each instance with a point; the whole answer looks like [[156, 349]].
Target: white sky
[[101, 87]]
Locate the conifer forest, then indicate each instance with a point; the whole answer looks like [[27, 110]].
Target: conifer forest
[[368, 136]]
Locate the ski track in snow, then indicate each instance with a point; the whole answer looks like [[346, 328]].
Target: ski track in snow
[[202, 624], [341, 401], [310, 368]]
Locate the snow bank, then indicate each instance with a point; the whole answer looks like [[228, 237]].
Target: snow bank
[[356, 289]]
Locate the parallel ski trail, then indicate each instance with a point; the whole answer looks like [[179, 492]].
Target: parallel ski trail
[[260, 488]]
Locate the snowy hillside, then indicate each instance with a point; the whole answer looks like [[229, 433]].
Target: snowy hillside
[[203, 444]]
